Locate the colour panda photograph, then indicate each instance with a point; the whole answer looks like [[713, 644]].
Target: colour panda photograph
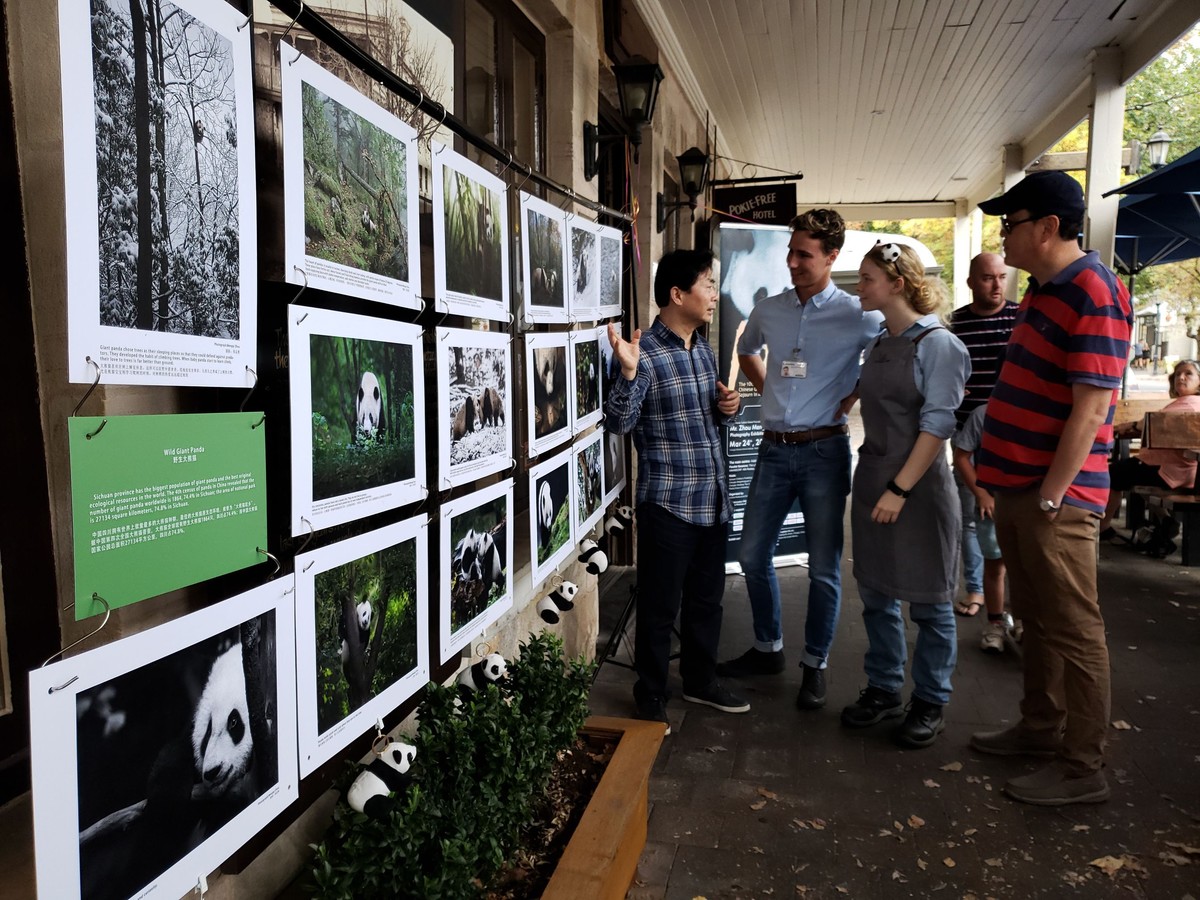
[[474, 404], [589, 486], [546, 378], [550, 514], [543, 260], [474, 236], [586, 378], [366, 629], [476, 552], [170, 752]]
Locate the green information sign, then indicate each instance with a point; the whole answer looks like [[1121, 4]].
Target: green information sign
[[161, 502]]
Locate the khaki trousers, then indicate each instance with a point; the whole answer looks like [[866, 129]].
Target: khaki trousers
[[1052, 582]]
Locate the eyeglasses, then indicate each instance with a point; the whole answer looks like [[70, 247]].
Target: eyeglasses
[[1007, 225]]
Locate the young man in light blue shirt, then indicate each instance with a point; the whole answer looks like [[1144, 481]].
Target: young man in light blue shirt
[[814, 335]]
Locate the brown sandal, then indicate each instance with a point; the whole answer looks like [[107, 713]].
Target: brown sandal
[[967, 609]]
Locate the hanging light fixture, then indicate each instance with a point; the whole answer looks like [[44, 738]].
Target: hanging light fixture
[[693, 175], [637, 91], [1156, 148]]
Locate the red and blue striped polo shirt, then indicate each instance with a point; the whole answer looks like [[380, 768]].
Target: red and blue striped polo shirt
[[1072, 330]]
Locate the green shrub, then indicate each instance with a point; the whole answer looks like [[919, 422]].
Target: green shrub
[[479, 768]]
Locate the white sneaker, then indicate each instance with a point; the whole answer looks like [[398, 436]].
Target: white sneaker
[[993, 637]]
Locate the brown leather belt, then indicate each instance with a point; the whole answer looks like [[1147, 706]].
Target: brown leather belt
[[804, 437]]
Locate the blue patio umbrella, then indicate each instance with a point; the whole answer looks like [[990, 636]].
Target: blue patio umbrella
[[1158, 219]]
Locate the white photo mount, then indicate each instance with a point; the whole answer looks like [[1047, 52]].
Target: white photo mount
[[551, 505], [587, 473], [583, 247], [612, 267], [470, 238], [367, 203], [475, 405], [548, 385], [586, 393], [346, 422], [315, 628], [545, 261], [80, 704], [463, 521], [196, 324]]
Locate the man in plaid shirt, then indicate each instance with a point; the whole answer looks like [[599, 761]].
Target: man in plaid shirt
[[670, 399]]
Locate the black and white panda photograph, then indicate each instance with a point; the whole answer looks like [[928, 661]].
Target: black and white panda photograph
[[589, 484], [544, 260], [614, 465], [476, 553], [584, 287], [610, 272], [360, 626], [547, 380], [474, 404], [550, 515], [358, 435], [586, 378], [163, 757]]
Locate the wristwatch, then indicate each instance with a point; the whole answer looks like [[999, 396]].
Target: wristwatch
[[1046, 506], [898, 491]]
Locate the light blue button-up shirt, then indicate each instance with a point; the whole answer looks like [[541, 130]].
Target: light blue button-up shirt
[[829, 332]]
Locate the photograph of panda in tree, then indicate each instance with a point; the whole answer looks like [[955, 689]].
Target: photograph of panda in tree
[[588, 484], [355, 189], [585, 271], [170, 752], [586, 354], [362, 414], [610, 271], [478, 563], [167, 190], [473, 237], [366, 629]]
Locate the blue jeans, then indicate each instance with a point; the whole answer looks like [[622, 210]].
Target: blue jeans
[[971, 553], [818, 475], [935, 654]]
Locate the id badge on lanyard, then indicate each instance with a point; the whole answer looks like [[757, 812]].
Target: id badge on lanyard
[[794, 367]]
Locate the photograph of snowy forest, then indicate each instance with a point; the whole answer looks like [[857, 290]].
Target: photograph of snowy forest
[[167, 191], [355, 189], [362, 414]]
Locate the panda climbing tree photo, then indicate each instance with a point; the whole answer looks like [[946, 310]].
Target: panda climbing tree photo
[[366, 629], [363, 421]]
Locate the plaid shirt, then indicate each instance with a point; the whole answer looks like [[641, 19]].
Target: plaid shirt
[[671, 408]]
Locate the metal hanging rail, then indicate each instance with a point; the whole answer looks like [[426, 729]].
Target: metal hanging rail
[[316, 25]]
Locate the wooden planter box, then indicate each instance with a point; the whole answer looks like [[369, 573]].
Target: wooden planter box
[[602, 856]]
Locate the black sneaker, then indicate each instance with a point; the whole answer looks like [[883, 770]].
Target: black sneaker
[[872, 706], [654, 709], [752, 662], [812, 689], [921, 726], [719, 697]]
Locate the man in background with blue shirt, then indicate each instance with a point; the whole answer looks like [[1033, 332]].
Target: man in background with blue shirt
[[814, 335], [669, 397]]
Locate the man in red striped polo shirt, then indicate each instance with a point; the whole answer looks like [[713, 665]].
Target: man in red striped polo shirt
[[1044, 455]]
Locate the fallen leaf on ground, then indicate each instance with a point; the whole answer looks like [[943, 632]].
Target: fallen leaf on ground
[[818, 824], [1173, 859], [799, 823], [994, 862], [949, 863], [801, 889], [758, 804], [716, 748], [1110, 865], [969, 832], [952, 767], [929, 782], [1074, 878], [1081, 828], [1190, 851], [974, 779], [770, 795], [841, 890], [915, 821], [758, 850], [922, 865], [1121, 725], [897, 825], [897, 875]]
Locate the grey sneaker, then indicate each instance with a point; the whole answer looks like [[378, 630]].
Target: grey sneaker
[[1054, 786], [993, 637], [1017, 741], [719, 697]]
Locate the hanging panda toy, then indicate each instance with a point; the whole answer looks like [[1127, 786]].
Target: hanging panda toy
[[382, 780], [488, 670], [593, 557], [560, 600]]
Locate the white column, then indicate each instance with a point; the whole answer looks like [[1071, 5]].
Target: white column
[[1104, 151], [1014, 171], [962, 251], [976, 217]]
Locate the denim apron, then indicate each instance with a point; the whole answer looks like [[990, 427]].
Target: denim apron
[[915, 558]]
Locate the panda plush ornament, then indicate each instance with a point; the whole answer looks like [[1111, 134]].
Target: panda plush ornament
[[488, 670], [548, 611], [593, 557], [386, 775], [563, 596]]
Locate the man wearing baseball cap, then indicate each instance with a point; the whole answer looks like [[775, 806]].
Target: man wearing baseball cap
[[1044, 453]]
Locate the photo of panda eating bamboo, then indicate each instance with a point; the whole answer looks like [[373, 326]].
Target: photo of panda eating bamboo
[[586, 360], [478, 563], [169, 753], [366, 629], [589, 489]]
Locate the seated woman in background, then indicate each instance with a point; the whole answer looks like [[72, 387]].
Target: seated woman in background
[[1171, 469]]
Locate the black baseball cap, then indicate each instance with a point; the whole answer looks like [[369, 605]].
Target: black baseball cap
[[1043, 194]]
